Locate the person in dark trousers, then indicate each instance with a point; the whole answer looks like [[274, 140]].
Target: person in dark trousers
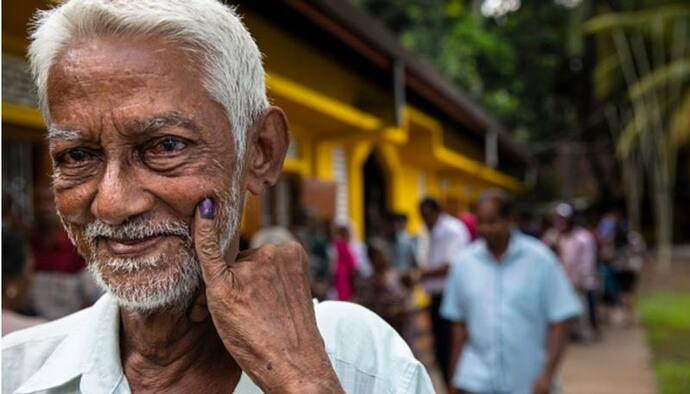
[[448, 236], [510, 302]]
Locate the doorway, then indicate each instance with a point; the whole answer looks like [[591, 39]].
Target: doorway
[[375, 197]]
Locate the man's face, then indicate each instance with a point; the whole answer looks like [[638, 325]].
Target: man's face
[[429, 215], [491, 225], [380, 261], [141, 145], [561, 224], [399, 225]]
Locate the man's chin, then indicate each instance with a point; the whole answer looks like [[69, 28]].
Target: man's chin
[[151, 289], [151, 302], [154, 304]]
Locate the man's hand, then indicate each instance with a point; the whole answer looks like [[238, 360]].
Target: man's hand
[[556, 341], [542, 385], [262, 310], [438, 272]]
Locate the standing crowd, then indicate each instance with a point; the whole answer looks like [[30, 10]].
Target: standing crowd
[[503, 292]]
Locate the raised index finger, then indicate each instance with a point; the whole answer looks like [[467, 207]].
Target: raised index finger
[[207, 244]]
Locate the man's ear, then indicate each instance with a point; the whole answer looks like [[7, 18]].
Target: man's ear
[[267, 145]]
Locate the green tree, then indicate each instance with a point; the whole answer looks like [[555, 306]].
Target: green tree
[[512, 65], [644, 77]]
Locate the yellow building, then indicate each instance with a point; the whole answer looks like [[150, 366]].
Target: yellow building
[[373, 128]]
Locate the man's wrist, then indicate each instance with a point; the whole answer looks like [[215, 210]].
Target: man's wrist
[[320, 378], [318, 385], [547, 375]]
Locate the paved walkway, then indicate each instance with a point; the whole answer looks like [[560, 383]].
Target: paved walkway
[[619, 363]]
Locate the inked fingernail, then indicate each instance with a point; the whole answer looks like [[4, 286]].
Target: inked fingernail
[[207, 209]]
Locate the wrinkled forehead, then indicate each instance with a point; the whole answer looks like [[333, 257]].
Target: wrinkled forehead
[[120, 67], [124, 81]]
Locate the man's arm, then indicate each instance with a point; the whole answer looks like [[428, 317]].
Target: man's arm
[[460, 239], [437, 272], [459, 338], [556, 343]]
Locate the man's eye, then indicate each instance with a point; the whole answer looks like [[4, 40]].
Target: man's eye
[[168, 145], [75, 156]]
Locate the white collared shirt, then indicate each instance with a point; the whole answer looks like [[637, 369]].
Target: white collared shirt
[[447, 239], [80, 354]]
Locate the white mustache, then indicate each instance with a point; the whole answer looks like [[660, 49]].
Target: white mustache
[[137, 229]]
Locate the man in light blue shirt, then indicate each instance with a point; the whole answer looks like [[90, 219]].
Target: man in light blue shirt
[[509, 301]]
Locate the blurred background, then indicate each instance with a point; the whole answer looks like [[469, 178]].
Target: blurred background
[[577, 102]]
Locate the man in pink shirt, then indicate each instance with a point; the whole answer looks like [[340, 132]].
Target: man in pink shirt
[[577, 250]]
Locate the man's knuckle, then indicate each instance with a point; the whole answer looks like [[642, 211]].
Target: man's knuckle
[[207, 244], [290, 250], [291, 245], [206, 230], [208, 248], [267, 252]]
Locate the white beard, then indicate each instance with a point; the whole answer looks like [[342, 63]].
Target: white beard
[[175, 289], [170, 292]]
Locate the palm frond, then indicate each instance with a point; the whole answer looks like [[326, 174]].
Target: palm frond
[[634, 18], [671, 73], [680, 122]]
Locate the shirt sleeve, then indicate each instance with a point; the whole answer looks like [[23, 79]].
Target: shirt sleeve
[[561, 301], [459, 239], [465, 236], [367, 354], [452, 303], [417, 381]]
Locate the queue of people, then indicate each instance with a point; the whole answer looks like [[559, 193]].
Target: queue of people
[[503, 297]]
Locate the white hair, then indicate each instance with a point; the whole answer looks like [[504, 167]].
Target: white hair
[[233, 74]]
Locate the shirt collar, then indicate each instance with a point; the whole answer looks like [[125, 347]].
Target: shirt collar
[[91, 352], [440, 224], [513, 248]]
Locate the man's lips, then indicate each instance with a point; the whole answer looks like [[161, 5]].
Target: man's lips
[[131, 246]]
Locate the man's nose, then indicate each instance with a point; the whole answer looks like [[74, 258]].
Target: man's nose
[[120, 196]]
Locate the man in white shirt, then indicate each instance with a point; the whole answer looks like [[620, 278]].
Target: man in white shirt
[[158, 125], [448, 236]]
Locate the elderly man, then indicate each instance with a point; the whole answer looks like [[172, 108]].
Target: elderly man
[[158, 125], [509, 300]]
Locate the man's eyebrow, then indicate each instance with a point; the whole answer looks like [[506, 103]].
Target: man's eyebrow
[[55, 134], [157, 122], [171, 119]]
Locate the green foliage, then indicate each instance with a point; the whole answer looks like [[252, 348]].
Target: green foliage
[[511, 65], [649, 48], [635, 19], [673, 377], [666, 320], [666, 310]]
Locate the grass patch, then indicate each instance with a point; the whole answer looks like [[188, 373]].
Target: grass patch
[[666, 318]]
